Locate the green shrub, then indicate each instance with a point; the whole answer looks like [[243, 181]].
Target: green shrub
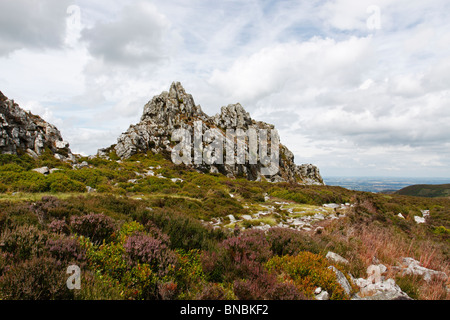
[[11, 167], [185, 232], [409, 285], [308, 271], [25, 161], [61, 183]]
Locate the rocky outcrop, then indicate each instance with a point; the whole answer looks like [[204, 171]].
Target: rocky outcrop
[[22, 132], [176, 110]]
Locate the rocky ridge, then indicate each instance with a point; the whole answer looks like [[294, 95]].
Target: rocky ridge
[[176, 109], [23, 132]]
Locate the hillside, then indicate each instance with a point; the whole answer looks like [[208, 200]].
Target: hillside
[[137, 225], [426, 190], [144, 228]]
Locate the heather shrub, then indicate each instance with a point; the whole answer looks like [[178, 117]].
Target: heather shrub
[[237, 257], [51, 207], [286, 241], [251, 245], [97, 227], [307, 271], [5, 260], [66, 249], [111, 262], [262, 285], [144, 249], [59, 226], [212, 291], [285, 291], [184, 232], [23, 241], [40, 278]]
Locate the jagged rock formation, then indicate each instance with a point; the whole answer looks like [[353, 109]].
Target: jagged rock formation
[[24, 132], [176, 109]]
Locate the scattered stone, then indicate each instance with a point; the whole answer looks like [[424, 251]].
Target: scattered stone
[[232, 218], [419, 219], [90, 189], [84, 164], [332, 205], [412, 267], [401, 216], [323, 296], [54, 170], [376, 288], [175, 180], [425, 213], [383, 290], [334, 257], [43, 170]]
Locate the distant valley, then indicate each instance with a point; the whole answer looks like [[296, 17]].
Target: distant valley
[[383, 184]]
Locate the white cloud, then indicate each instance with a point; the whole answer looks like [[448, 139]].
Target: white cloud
[[32, 24], [348, 98], [140, 34]]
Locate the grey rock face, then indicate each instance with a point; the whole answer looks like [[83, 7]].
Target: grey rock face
[[23, 132], [176, 109]]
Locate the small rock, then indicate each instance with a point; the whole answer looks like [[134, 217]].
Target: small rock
[[336, 258], [419, 219], [412, 266], [323, 296], [58, 156], [61, 144], [332, 205], [43, 170], [90, 189]]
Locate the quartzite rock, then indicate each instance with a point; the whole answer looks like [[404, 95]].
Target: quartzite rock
[[24, 132], [176, 109]]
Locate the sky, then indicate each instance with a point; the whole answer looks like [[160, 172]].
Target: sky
[[356, 87]]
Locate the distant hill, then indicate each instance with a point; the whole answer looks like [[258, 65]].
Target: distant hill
[[426, 190]]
